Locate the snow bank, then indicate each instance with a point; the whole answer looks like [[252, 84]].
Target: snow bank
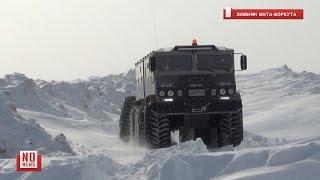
[[251, 140], [94, 96], [17, 133], [281, 103], [25, 94], [280, 82], [299, 160], [149, 166], [85, 168]]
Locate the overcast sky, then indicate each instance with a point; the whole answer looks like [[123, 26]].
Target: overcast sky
[[70, 39]]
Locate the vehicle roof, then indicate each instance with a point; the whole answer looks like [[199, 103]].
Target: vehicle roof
[[186, 48], [213, 47]]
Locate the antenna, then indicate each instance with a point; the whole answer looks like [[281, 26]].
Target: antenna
[[155, 27]]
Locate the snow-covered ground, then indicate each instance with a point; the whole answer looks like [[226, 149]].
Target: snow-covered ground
[[282, 139]]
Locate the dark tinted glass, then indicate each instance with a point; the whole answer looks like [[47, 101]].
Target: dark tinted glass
[[174, 63], [206, 61]]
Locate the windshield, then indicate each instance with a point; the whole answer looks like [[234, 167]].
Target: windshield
[[174, 63], [212, 62]]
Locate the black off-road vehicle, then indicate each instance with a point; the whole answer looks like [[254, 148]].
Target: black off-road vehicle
[[187, 88]]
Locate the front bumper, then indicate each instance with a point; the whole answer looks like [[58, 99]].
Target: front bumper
[[198, 107]]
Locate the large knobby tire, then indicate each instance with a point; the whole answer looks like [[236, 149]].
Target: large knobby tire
[[236, 128], [124, 122], [224, 129], [136, 125], [157, 130]]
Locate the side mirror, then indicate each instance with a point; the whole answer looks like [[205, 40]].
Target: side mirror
[[243, 62], [152, 64]]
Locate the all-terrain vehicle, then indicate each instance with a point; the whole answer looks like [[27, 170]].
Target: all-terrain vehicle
[[187, 88]]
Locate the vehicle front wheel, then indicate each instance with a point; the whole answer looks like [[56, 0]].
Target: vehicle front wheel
[[157, 130]]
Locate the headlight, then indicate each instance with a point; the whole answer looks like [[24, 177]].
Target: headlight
[[170, 93], [162, 93], [222, 91], [224, 98], [168, 100], [231, 91]]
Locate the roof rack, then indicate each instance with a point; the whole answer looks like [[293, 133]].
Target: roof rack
[[194, 48]]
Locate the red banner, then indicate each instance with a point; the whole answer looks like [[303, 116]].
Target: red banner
[[230, 13]]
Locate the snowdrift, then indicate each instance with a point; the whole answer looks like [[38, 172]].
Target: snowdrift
[[91, 167], [17, 133], [299, 160], [279, 82], [96, 96], [25, 94], [281, 103]]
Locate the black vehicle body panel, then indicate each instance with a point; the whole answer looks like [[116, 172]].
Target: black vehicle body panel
[[200, 88]]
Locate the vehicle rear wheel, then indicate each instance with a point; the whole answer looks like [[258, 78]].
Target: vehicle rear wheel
[[124, 121], [157, 130], [236, 128]]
